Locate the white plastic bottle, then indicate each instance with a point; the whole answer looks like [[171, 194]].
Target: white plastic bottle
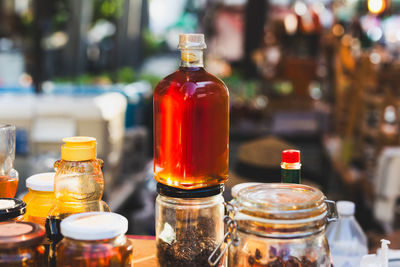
[[346, 239]]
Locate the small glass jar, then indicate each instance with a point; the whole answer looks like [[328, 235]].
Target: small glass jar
[[94, 239], [279, 225], [12, 209], [40, 197], [20, 244], [189, 225]]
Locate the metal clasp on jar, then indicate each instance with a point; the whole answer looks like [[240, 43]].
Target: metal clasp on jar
[[332, 215], [231, 237]]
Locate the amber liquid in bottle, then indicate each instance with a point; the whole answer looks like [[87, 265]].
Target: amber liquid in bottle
[[8, 186], [191, 126]]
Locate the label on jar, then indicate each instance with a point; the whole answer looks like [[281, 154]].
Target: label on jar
[[168, 234]]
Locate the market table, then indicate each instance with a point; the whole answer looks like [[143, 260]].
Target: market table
[[144, 251]]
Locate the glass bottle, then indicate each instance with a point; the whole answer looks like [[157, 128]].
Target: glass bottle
[[291, 166], [20, 244], [8, 175], [189, 225], [346, 238], [279, 225], [40, 198], [191, 122], [78, 185], [94, 239]]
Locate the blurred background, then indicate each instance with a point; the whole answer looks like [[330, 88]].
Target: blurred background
[[319, 76]]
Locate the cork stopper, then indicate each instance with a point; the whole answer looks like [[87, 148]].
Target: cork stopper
[[192, 41]]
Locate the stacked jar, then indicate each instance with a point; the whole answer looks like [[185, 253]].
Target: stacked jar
[[94, 239], [78, 186], [191, 132]]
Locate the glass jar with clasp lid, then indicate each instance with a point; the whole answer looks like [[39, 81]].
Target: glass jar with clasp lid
[[278, 225]]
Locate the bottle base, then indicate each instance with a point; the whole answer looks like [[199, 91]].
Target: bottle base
[[191, 183]]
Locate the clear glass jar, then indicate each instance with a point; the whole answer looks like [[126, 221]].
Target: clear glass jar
[[40, 197], [279, 225], [94, 239], [189, 225], [20, 244], [8, 175], [12, 209]]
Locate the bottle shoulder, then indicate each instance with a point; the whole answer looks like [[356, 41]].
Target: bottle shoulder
[[346, 229], [185, 78]]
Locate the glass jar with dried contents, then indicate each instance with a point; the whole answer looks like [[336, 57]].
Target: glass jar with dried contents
[[279, 225], [20, 244], [189, 225], [94, 239]]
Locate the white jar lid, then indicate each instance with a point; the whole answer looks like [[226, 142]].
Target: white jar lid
[[41, 182], [94, 226]]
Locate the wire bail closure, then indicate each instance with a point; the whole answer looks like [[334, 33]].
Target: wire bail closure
[[332, 215], [231, 237]]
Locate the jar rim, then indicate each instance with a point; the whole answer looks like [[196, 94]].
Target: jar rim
[[170, 191], [11, 212], [16, 234], [281, 202]]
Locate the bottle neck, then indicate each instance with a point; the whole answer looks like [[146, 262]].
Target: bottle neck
[[291, 173], [191, 58]]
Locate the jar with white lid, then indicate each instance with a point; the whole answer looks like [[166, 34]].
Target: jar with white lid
[[278, 225], [94, 239], [40, 197]]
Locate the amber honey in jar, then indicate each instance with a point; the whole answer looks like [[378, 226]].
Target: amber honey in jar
[[94, 239], [40, 197], [8, 175], [78, 185], [12, 209], [191, 122], [20, 244]]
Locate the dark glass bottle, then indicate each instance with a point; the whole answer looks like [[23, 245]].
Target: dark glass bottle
[[191, 122], [291, 166]]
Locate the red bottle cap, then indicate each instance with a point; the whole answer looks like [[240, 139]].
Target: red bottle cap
[[291, 156]]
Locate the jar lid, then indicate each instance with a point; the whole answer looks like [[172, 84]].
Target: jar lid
[[41, 182], [11, 208], [94, 226], [170, 191], [289, 203], [17, 234], [78, 148], [236, 188]]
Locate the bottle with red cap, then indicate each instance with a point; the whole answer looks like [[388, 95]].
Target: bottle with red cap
[[291, 166]]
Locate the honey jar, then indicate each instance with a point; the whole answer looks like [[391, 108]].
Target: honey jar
[[20, 244], [94, 239], [40, 197]]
